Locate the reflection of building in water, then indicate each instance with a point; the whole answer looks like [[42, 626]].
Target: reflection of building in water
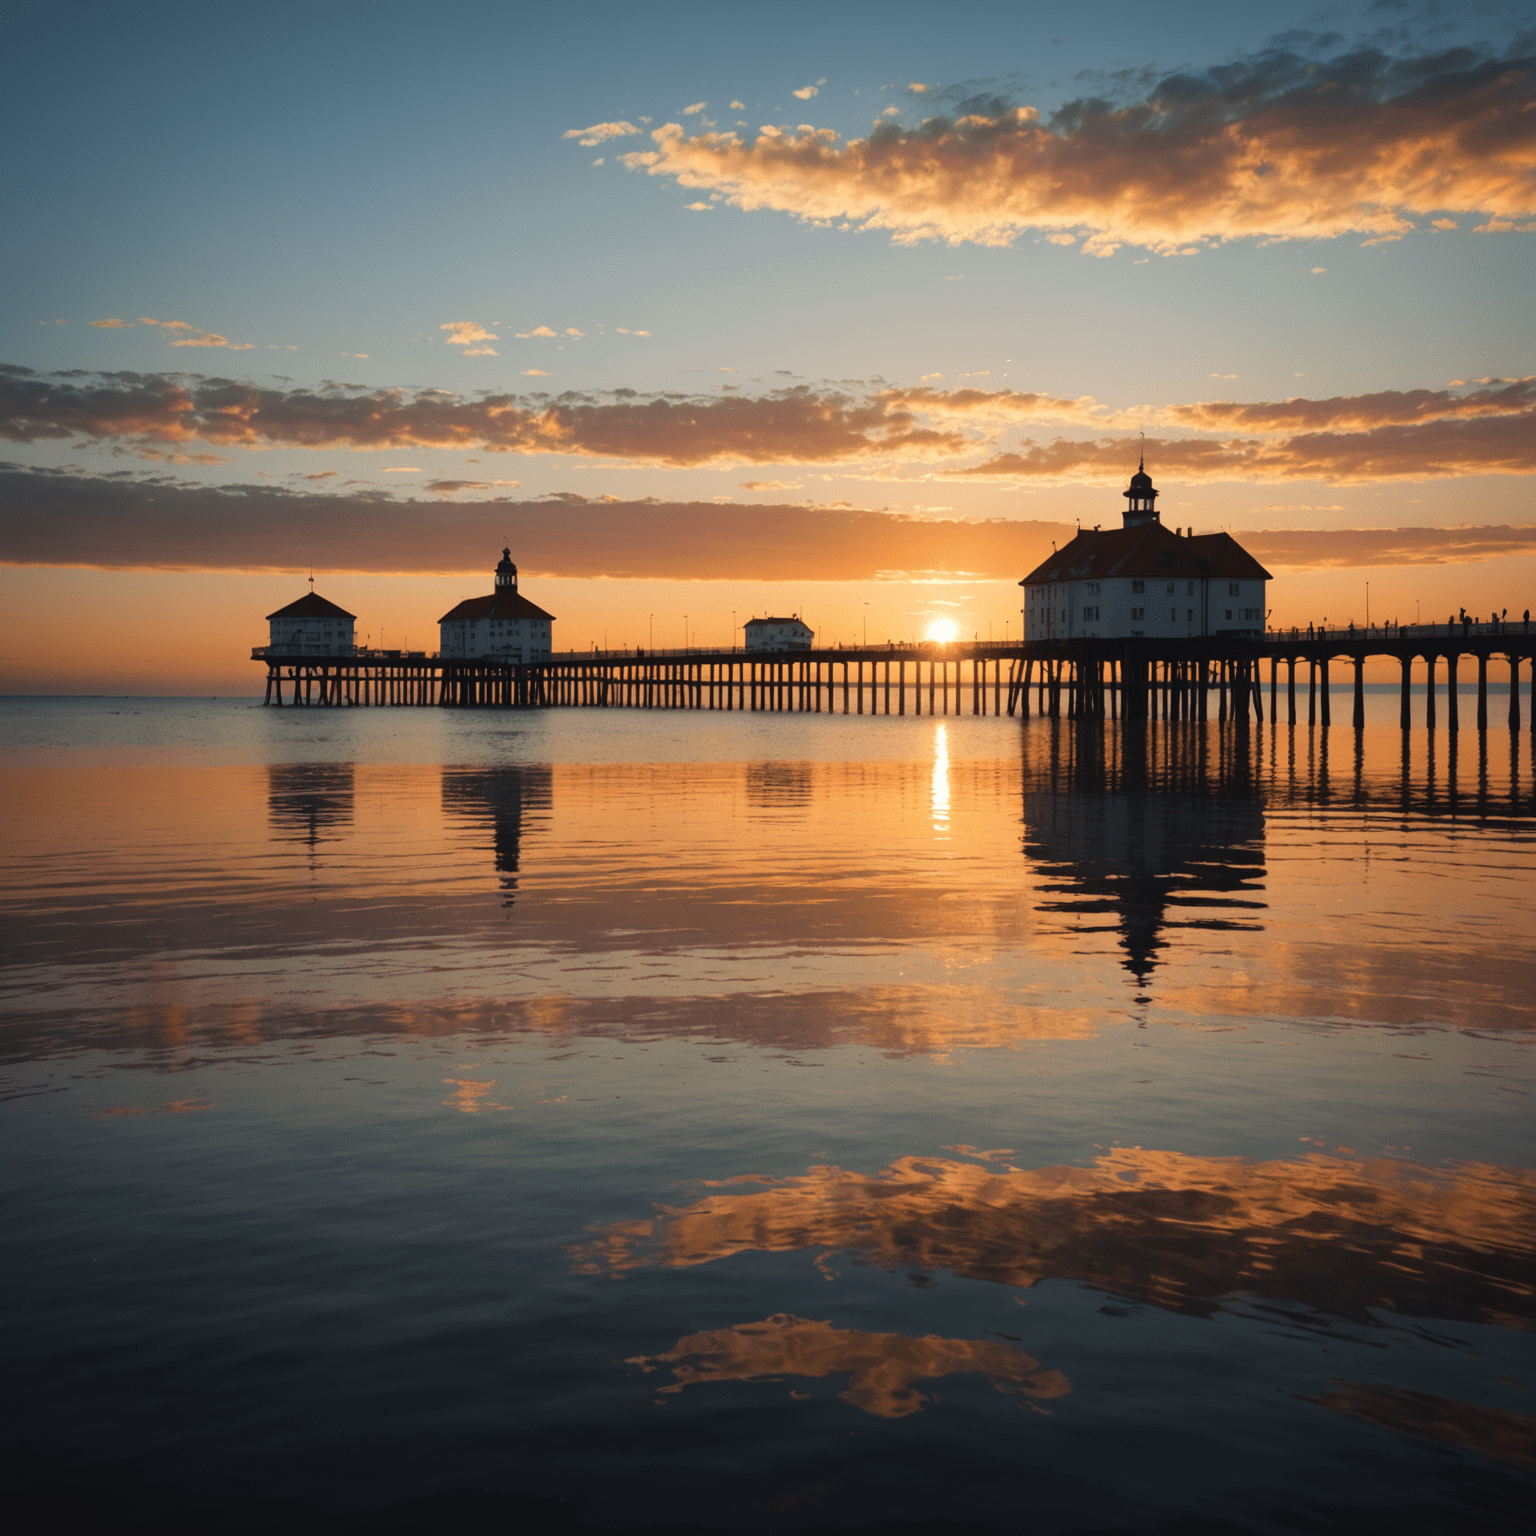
[[1139, 825], [309, 802], [499, 799]]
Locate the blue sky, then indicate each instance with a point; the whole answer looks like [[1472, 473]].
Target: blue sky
[[325, 189]]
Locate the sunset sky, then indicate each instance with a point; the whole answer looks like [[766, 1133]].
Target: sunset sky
[[847, 310]]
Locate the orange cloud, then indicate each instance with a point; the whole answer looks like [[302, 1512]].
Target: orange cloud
[[461, 333], [1279, 147], [1388, 407], [790, 426], [113, 325], [1493, 445], [1390, 435], [591, 137], [995, 404]]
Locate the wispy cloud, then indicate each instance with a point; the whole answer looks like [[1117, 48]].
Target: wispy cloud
[[113, 325], [1278, 146], [599, 133], [456, 487], [695, 109]]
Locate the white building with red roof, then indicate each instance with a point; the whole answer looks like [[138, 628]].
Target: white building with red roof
[[312, 627], [503, 626], [1144, 579], [775, 634]]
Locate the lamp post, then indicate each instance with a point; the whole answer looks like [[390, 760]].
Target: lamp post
[[733, 629], [685, 631], [652, 641]]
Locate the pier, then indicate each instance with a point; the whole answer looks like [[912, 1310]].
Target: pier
[[1197, 679]]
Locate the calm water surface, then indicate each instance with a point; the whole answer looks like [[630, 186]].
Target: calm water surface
[[467, 1120]]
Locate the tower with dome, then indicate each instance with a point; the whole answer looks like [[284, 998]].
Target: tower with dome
[[502, 626], [1143, 579]]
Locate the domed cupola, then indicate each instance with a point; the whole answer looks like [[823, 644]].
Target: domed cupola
[[1141, 499], [506, 573]]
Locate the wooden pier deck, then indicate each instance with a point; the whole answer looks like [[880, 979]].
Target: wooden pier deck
[[1195, 679]]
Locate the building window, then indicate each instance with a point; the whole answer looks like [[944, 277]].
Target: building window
[[1093, 589], [1138, 586], [1191, 618], [1229, 613], [1138, 613], [1233, 588], [1191, 591]]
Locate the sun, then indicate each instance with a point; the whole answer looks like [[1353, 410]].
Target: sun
[[943, 630]]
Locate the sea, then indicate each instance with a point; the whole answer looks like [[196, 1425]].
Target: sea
[[467, 1120]]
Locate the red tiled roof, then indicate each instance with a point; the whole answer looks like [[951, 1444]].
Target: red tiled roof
[[751, 622], [500, 604], [1149, 549], [311, 606]]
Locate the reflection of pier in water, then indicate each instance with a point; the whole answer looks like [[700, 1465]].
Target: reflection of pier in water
[[499, 799], [1423, 774], [1134, 823], [309, 802]]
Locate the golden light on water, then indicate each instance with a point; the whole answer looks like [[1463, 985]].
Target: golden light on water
[[940, 789], [943, 630]]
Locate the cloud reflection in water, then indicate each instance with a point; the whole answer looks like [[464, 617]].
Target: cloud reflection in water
[[881, 1366], [1347, 1237]]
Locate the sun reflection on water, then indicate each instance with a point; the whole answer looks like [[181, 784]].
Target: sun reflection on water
[[940, 791]]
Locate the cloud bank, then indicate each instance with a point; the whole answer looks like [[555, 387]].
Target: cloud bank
[[126, 521], [1275, 147], [797, 424], [1498, 445], [1489, 428]]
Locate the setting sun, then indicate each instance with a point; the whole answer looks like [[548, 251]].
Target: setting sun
[[943, 630]]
